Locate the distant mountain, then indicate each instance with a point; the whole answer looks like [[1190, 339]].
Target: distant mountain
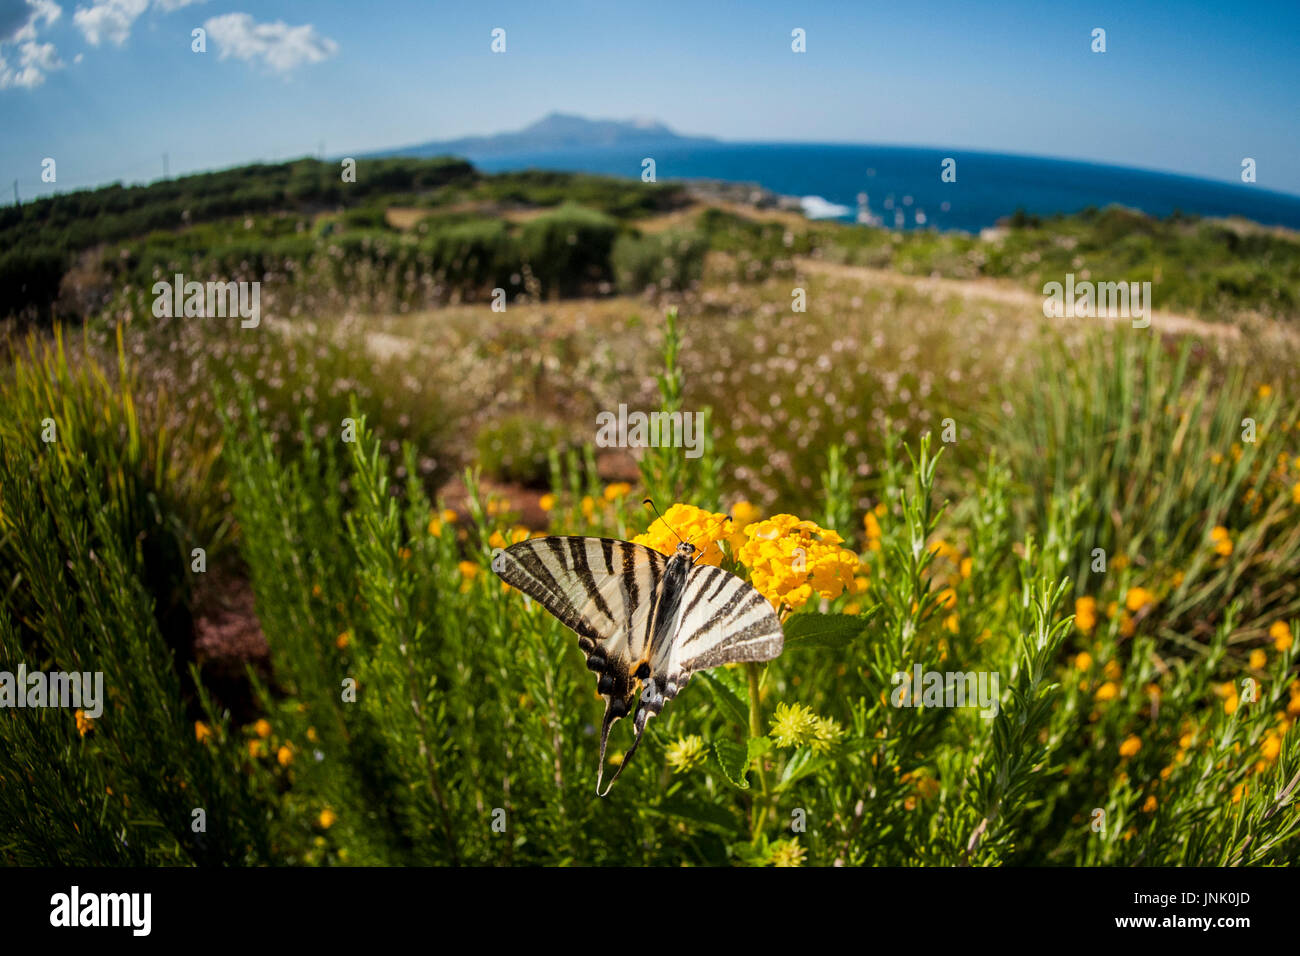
[[553, 133]]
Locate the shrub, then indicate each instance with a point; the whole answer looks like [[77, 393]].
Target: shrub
[[518, 447], [568, 249]]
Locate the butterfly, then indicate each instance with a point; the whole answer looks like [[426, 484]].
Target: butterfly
[[645, 621]]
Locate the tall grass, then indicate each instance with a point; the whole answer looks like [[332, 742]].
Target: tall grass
[[422, 713]]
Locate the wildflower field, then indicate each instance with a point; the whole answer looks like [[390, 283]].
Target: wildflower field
[[1103, 518]]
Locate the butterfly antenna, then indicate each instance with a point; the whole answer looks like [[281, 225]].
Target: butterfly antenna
[[650, 502], [725, 518]]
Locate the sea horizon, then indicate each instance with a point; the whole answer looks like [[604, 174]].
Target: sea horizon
[[902, 185]]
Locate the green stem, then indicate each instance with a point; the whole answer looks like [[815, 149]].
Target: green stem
[[758, 814]]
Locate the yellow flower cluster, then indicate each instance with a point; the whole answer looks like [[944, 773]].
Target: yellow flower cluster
[[794, 725], [701, 528], [445, 517], [871, 525], [789, 559], [743, 514], [1085, 615], [513, 536], [686, 753], [787, 853]]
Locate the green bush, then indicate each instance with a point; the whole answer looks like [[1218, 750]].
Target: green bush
[[666, 262], [568, 249], [518, 448]]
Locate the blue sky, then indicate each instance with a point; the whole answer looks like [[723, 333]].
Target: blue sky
[[105, 87]]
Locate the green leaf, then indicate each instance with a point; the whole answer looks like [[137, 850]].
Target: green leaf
[[733, 758], [703, 814], [803, 763], [731, 693], [824, 630]]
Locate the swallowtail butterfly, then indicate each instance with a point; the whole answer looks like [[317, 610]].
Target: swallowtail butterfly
[[645, 621]]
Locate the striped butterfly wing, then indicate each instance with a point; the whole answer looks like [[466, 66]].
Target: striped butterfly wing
[[602, 589], [722, 620]]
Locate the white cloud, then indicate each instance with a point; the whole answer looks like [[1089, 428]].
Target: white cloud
[[109, 19], [35, 59], [277, 45], [113, 19]]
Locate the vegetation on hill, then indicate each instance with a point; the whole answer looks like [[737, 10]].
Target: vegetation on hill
[[412, 233]]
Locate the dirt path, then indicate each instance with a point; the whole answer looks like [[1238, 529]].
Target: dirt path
[[1003, 292]]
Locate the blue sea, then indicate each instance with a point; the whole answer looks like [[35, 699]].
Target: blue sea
[[900, 187]]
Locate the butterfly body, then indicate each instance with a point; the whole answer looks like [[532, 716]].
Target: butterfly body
[[645, 621]]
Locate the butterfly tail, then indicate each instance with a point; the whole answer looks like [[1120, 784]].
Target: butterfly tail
[[613, 713]]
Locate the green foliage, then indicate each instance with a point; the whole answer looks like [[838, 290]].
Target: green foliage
[[568, 248], [519, 447], [99, 515], [667, 262]]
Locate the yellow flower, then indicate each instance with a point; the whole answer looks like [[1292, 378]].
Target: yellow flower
[[1258, 658], [262, 728], [704, 529], [1222, 543], [1107, 691], [1281, 635], [546, 502], [1239, 791], [688, 752], [927, 785], [1295, 493], [1085, 614], [588, 506], [256, 748], [1112, 670], [1084, 661], [793, 725], [284, 755], [743, 514], [966, 565], [468, 570], [448, 516], [826, 734], [1150, 805], [872, 527], [327, 818], [84, 724], [201, 731], [435, 527], [619, 489], [516, 534], [1138, 598], [343, 640], [790, 560], [1271, 747], [1265, 391], [788, 853], [1131, 745]]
